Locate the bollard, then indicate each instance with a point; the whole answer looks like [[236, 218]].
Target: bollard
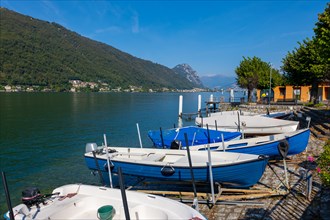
[[199, 105], [180, 105]]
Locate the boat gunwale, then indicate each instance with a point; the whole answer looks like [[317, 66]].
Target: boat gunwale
[[186, 166]]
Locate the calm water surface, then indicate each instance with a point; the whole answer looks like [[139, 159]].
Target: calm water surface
[[43, 135]]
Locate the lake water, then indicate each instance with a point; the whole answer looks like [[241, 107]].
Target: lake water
[[43, 135]]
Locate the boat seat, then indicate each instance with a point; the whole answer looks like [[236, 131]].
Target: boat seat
[[154, 157]]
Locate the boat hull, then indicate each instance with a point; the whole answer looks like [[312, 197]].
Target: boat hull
[[77, 201], [239, 175], [252, 125], [195, 135], [297, 144]]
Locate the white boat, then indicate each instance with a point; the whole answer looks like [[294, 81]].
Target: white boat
[[249, 125], [278, 114], [229, 169], [263, 145], [77, 201]]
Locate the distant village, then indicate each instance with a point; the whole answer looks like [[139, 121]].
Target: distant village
[[81, 86]]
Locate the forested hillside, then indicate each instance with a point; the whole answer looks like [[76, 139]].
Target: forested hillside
[[35, 52]]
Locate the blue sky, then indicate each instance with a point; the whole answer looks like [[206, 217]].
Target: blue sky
[[211, 36]]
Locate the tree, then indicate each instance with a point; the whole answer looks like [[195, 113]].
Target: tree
[[253, 73], [309, 63], [322, 38]]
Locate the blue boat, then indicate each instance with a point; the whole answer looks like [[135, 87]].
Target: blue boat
[[229, 169], [196, 136], [296, 142]]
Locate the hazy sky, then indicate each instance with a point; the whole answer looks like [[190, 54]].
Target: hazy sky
[[211, 36]]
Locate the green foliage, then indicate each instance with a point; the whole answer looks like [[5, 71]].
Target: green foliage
[[254, 73], [34, 52], [302, 66], [309, 64], [322, 37], [324, 165], [311, 104]]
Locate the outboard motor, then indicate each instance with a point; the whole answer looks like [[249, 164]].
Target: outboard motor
[[31, 196]]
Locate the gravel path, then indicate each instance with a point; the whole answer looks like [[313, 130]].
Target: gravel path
[[294, 205]]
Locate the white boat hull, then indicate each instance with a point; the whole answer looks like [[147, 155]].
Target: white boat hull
[[250, 125], [83, 201]]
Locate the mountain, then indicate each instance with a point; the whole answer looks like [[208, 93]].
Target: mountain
[[186, 71], [219, 81], [36, 52]]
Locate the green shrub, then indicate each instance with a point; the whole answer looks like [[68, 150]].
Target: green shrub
[[309, 104], [324, 165], [318, 105]]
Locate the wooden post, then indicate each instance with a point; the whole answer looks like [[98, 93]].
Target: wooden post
[[180, 105], [199, 105]]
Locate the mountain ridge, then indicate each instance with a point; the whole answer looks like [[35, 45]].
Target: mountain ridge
[[189, 73], [36, 52], [219, 81]]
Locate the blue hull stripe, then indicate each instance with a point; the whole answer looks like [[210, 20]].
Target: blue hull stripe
[[238, 175]]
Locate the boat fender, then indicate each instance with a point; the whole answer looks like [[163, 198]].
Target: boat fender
[[283, 148], [167, 171], [111, 166]]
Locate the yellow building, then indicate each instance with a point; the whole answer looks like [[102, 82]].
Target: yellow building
[[293, 93]]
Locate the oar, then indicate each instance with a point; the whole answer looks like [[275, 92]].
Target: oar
[[10, 208], [195, 202]]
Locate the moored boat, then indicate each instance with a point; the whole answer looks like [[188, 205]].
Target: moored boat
[[77, 201], [296, 142], [229, 169], [249, 125], [195, 135], [276, 114]]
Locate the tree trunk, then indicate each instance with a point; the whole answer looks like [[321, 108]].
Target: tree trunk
[[249, 95], [314, 91]]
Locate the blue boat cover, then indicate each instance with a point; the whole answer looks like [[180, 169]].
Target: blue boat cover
[[196, 136]]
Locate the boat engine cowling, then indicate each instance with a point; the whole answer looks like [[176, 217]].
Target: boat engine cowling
[[90, 147], [31, 196]]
